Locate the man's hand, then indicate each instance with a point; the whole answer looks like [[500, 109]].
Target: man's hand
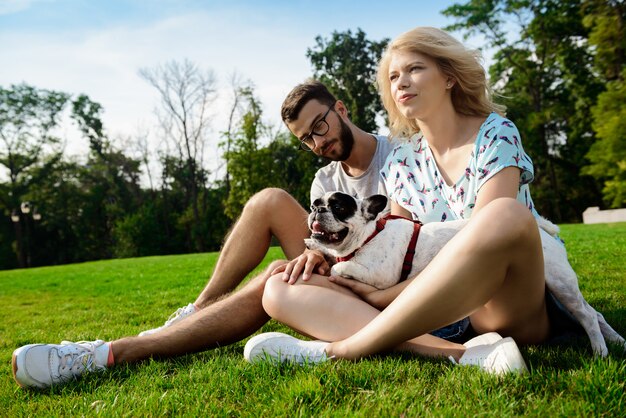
[[369, 294], [307, 263]]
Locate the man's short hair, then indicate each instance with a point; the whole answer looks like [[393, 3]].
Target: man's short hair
[[301, 95]]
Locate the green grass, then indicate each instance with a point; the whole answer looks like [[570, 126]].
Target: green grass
[[110, 299]]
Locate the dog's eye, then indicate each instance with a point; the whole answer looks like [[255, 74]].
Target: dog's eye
[[336, 208]]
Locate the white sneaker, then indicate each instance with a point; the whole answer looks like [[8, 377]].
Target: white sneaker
[[282, 348], [500, 357], [483, 339], [180, 314], [43, 365]]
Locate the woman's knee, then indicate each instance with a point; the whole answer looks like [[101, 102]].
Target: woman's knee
[[275, 295], [510, 220]]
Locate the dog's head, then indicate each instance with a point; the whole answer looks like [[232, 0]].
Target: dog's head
[[340, 223]]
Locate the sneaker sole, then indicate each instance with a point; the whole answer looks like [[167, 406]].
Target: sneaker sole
[[14, 364]]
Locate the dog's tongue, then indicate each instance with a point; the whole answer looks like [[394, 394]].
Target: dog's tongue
[[316, 227]]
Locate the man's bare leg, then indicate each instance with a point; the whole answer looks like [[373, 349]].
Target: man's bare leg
[[271, 212], [224, 322]]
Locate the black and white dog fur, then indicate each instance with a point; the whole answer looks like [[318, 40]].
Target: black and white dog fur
[[340, 224]]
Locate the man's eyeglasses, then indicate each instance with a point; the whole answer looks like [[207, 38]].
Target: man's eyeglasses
[[320, 128]]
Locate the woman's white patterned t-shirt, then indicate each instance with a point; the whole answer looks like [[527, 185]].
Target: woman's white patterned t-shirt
[[412, 178]]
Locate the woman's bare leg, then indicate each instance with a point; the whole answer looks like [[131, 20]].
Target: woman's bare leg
[[492, 270], [329, 312]]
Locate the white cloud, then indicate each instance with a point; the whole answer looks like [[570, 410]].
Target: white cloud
[[8, 7], [101, 57], [104, 63]]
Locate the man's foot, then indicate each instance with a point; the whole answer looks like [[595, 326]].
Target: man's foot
[[282, 348], [483, 339], [180, 314], [499, 357], [43, 365]]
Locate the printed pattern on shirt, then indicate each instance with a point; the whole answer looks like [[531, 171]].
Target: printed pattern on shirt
[[413, 180]]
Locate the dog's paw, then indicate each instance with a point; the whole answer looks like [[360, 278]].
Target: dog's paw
[[341, 269]]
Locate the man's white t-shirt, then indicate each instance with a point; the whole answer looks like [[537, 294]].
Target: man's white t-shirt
[[333, 177]]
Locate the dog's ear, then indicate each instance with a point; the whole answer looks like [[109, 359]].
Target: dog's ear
[[373, 205]]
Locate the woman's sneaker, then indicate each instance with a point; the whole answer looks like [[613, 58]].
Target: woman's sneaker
[[180, 314], [483, 339], [44, 365], [277, 347], [499, 357]]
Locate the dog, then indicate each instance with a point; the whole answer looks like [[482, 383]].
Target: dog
[[374, 251]]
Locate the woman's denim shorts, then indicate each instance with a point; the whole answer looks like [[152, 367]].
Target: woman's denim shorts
[[562, 323]]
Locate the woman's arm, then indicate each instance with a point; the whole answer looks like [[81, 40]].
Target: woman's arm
[[398, 210], [373, 296], [503, 184]]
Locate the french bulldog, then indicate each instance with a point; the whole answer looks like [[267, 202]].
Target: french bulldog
[[345, 229]]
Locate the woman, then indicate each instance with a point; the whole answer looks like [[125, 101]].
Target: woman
[[464, 160]]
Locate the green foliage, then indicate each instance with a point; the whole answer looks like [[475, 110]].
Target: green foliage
[[606, 22], [298, 167], [186, 93], [109, 299], [546, 79], [28, 150], [79, 204], [608, 153], [28, 117], [347, 64], [139, 234], [87, 114], [253, 166]]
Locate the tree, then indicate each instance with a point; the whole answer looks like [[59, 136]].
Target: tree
[[28, 117], [608, 154], [247, 169], [605, 20], [186, 92], [347, 64], [546, 79], [254, 166], [110, 181]]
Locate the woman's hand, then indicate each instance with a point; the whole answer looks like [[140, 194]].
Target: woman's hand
[[306, 263], [369, 294]]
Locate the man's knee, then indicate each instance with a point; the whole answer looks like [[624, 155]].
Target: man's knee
[[258, 282], [270, 200]]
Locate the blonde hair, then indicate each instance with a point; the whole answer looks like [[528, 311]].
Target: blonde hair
[[471, 95]]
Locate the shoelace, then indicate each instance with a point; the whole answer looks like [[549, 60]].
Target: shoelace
[[76, 357], [173, 317]]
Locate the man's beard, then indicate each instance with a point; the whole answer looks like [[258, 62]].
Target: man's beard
[[346, 139]]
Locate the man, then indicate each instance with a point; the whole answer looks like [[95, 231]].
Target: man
[[217, 317]]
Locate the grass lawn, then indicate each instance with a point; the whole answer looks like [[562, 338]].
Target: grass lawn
[[110, 299]]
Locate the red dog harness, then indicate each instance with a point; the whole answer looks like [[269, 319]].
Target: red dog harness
[[410, 252]]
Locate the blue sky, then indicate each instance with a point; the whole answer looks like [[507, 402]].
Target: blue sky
[[97, 47]]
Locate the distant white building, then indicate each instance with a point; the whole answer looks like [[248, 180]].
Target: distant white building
[[594, 215]]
